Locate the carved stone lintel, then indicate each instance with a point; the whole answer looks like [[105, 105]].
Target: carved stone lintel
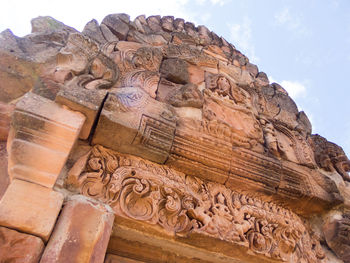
[[141, 190]]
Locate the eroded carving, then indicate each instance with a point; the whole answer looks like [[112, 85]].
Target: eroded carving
[[82, 62], [330, 156], [181, 204]]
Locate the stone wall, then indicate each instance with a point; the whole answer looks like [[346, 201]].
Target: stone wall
[[154, 140]]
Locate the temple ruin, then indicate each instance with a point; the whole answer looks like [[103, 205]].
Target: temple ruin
[[156, 140]]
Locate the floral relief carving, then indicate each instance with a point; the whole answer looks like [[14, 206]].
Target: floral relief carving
[[181, 204]]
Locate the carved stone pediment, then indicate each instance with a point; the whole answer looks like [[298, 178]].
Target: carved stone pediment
[[188, 143]]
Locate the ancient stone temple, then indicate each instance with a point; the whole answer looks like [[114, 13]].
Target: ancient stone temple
[[154, 140]]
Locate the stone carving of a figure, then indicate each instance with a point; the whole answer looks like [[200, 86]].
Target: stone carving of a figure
[[270, 138]]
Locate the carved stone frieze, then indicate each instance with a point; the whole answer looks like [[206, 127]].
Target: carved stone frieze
[[144, 191]]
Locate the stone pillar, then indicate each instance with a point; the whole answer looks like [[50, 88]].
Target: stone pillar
[[81, 234], [30, 208], [40, 138]]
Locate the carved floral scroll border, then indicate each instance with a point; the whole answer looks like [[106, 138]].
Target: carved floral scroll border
[[182, 204]]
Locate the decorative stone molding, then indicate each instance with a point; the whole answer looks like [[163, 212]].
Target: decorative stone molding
[[141, 190]]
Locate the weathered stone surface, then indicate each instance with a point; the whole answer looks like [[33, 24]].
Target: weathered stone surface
[[175, 70], [330, 156], [5, 118], [196, 74], [252, 69], [132, 122], [118, 24], [184, 205], [41, 137], [18, 247], [48, 24], [262, 79], [336, 230], [93, 30], [110, 258], [188, 96], [235, 150], [167, 23], [87, 102], [17, 75], [4, 177], [30, 208], [81, 233], [304, 123], [166, 89], [154, 23]]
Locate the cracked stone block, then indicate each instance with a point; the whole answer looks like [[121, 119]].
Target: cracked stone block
[[81, 234], [132, 122], [85, 101], [30, 208]]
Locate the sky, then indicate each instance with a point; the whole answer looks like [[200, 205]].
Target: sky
[[302, 45]]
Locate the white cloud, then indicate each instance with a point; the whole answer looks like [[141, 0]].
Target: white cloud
[[291, 21], [295, 89], [213, 2], [220, 2], [241, 37], [17, 16]]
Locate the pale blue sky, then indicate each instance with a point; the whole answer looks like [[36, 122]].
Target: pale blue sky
[[303, 45]]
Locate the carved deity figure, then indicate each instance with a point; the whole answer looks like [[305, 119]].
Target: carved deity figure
[[222, 86], [225, 102], [270, 138]]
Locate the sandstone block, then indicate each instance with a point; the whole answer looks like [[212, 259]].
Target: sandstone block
[[110, 258], [30, 208], [167, 23], [196, 74], [132, 122], [18, 78], [262, 79], [166, 89], [336, 231], [117, 24], [252, 69], [41, 136], [18, 247], [93, 30], [81, 234], [85, 101], [175, 70], [5, 118], [4, 177]]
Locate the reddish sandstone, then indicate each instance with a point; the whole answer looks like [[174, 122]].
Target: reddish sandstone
[[81, 234]]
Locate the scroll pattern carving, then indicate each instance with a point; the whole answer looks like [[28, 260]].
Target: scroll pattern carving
[[182, 204]]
